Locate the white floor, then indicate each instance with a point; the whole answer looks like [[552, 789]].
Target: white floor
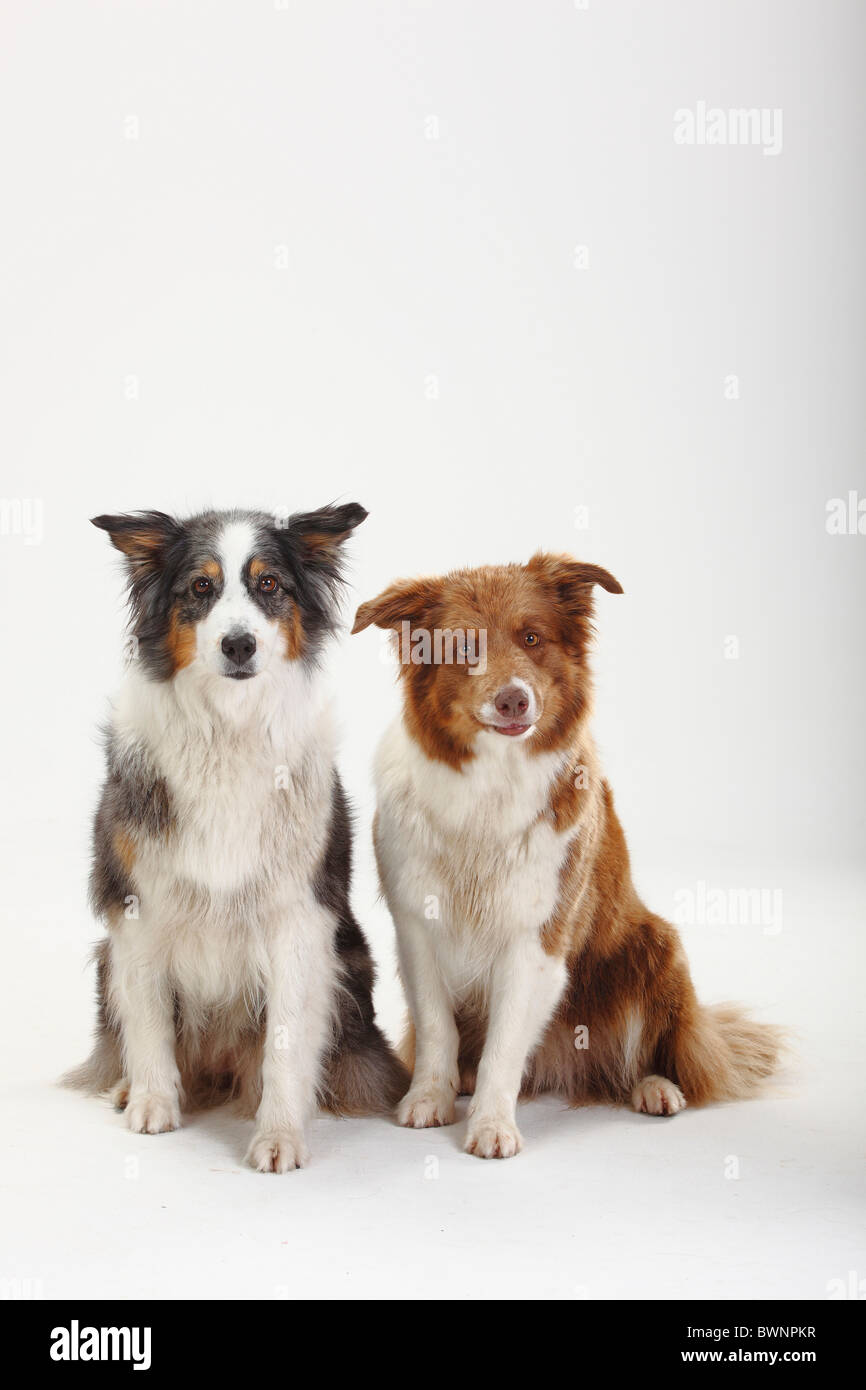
[[602, 1203]]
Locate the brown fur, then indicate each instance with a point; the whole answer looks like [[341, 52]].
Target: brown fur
[[138, 546], [294, 632], [124, 848], [623, 960], [180, 642], [505, 602]]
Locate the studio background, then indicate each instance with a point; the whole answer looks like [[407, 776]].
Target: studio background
[[450, 261]]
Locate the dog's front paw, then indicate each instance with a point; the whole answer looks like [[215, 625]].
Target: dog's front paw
[[427, 1107], [154, 1112], [655, 1095], [277, 1151], [492, 1138]]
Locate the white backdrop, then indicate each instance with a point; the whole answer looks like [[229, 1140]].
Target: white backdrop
[[450, 261]]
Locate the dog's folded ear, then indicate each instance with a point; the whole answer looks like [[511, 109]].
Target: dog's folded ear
[[143, 537], [405, 601], [319, 535], [571, 581]]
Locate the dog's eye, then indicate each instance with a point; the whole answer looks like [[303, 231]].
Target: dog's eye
[[531, 639], [202, 585], [267, 584]]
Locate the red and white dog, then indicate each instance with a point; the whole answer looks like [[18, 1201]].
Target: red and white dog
[[507, 873]]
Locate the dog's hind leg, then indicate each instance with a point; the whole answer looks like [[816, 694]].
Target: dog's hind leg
[[697, 1055]]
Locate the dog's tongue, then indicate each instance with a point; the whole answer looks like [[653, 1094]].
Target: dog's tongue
[[511, 730]]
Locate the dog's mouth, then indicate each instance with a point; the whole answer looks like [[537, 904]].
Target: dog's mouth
[[240, 675], [513, 730]]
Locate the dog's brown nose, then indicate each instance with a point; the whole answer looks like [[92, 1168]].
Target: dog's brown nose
[[239, 647], [511, 702]]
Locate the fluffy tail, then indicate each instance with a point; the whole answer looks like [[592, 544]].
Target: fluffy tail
[[364, 1077], [102, 1070], [722, 1054]]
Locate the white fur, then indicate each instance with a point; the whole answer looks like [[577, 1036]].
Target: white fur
[[470, 866], [655, 1095], [631, 1045]]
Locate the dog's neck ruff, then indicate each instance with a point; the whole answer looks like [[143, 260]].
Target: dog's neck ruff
[[275, 717], [498, 794]]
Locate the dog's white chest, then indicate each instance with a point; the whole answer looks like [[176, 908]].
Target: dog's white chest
[[250, 802], [227, 811], [472, 855], [499, 888]]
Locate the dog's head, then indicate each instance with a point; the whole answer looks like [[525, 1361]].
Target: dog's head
[[230, 596], [495, 653]]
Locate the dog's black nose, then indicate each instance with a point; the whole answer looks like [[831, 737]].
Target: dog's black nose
[[239, 646]]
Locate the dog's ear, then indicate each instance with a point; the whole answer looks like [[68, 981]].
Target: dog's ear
[[143, 537], [405, 601], [319, 535], [571, 582]]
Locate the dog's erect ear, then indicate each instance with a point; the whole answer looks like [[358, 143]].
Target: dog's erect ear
[[320, 534], [406, 601], [143, 537], [572, 582]]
